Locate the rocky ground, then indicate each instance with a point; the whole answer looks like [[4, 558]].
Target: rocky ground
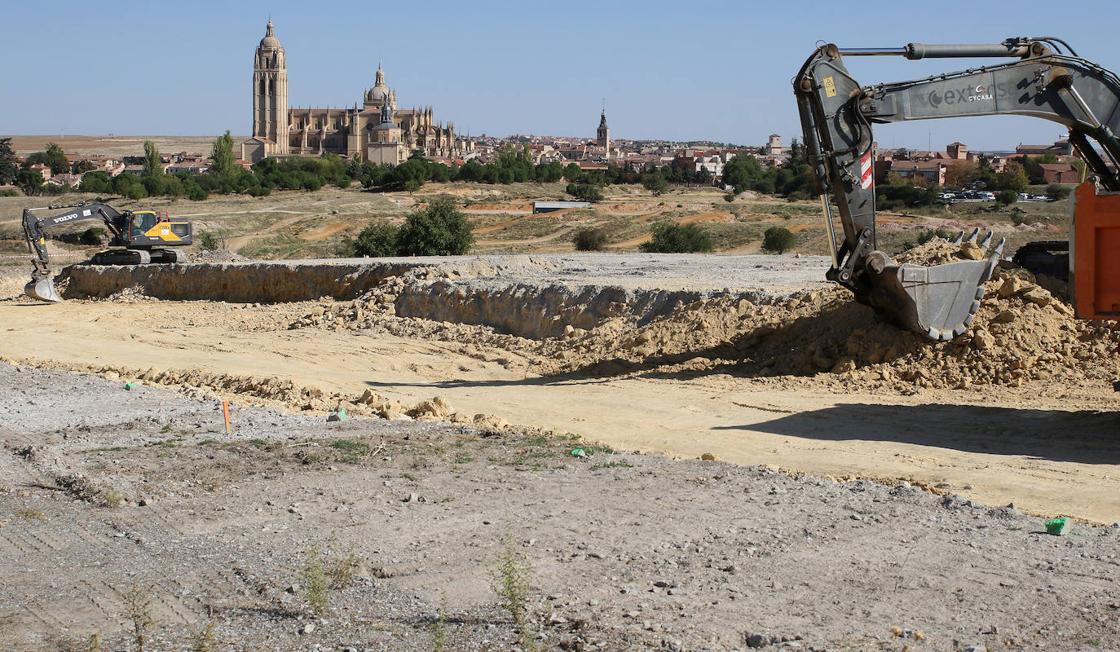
[[131, 510]]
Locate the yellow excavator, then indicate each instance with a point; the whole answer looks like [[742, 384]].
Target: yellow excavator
[[136, 238], [1045, 79]]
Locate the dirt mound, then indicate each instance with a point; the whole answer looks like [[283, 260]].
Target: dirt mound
[[1022, 333], [218, 256]]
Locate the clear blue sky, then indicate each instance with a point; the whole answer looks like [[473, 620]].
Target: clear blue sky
[[668, 69]]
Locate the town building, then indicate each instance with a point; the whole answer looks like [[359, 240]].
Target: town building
[[361, 130], [603, 134]]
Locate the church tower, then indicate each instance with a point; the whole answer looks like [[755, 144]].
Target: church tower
[[270, 94], [603, 135]]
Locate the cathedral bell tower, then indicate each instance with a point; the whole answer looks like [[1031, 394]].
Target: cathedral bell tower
[[270, 94], [603, 135]]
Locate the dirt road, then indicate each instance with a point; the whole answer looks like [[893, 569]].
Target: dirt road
[[1048, 454]]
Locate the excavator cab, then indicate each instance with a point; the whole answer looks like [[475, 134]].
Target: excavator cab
[[1095, 252], [152, 228]]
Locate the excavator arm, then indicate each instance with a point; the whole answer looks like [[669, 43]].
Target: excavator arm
[[837, 114], [35, 228]]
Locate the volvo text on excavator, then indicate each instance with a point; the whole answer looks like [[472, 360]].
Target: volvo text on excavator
[[137, 237], [1047, 80]]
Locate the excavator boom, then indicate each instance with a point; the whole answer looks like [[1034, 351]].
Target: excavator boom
[[837, 114]]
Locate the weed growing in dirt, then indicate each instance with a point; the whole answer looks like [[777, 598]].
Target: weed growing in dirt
[[137, 603], [341, 572], [112, 498], [205, 641], [439, 627], [94, 643], [614, 464], [350, 451], [315, 581], [511, 580], [31, 514]]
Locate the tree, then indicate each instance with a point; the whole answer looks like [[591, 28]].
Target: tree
[[376, 240], [1013, 177], [778, 239], [654, 182], [8, 167], [54, 158], [153, 166], [441, 229], [29, 181], [82, 166], [742, 172], [960, 173], [594, 239], [223, 161], [1057, 191], [670, 238], [1006, 197], [585, 191]]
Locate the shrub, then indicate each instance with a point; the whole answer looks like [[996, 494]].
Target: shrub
[[1007, 197], [669, 238], [511, 580], [594, 239], [93, 236], [585, 191], [315, 582], [654, 182], [729, 197], [438, 230], [207, 241], [778, 239], [1057, 191], [1018, 216], [376, 240]]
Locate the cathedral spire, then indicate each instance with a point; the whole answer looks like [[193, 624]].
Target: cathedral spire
[[379, 79]]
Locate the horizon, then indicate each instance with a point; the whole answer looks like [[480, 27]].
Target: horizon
[[666, 73]]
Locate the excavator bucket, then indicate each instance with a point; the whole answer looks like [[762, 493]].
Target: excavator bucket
[[43, 290], [939, 301]]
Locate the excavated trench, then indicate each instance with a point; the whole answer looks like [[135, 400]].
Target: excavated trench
[[458, 292]]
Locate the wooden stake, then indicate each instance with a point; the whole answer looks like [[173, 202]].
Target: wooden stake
[[225, 413]]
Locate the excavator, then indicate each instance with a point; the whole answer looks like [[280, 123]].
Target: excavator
[[138, 238], [1045, 78]]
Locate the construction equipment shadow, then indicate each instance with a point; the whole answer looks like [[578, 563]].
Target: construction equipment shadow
[[1086, 437]]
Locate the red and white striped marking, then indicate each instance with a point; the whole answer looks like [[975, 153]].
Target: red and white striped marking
[[866, 171]]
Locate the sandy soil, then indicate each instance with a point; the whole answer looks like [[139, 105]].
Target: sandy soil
[[1047, 446], [138, 497]]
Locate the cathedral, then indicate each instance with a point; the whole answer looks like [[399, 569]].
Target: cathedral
[[376, 130]]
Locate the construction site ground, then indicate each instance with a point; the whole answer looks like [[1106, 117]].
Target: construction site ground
[[140, 498], [755, 456]]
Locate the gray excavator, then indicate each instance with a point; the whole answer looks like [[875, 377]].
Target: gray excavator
[[137, 238], [1047, 80]]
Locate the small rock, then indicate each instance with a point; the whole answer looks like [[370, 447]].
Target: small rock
[[1005, 317], [1037, 296], [708, 457], [982, 340], [972, 251], [412, 498], [307, 628]]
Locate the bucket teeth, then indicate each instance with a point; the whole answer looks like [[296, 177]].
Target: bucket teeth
[[957, 240], [986, 240], [972, 236]]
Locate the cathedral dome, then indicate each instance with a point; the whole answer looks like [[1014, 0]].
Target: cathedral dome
[[269, 42], [380, 90]]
